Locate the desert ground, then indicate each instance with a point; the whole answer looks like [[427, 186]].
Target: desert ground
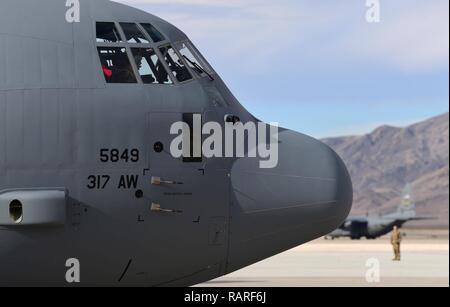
[[342, 263]]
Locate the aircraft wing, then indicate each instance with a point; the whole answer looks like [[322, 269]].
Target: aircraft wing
[[423, 218]]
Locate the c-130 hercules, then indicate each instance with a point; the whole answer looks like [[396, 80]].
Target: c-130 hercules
[[86, 177], [373, 227]]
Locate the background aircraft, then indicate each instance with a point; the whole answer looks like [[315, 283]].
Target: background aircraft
[[373, 227], [85, 169]]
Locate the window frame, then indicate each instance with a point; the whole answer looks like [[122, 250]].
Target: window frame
[[160, 58], [171, 44], [138, 26], [152, 45], [119, 31], [148, 34], [129, 59], [197, 55]]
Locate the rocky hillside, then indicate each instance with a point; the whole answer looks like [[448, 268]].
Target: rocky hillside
[[383, 162]]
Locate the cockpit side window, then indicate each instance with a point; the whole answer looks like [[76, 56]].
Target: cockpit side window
[[154, 34], [176, 65], [133, 34], [116, 66], [107, 33], [151, 68], [194, 61]]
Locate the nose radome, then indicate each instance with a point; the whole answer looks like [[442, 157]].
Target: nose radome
[[344, 195], [307, 195]]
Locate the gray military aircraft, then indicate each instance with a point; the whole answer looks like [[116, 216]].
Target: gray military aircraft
[[373, 227], [90, 194]]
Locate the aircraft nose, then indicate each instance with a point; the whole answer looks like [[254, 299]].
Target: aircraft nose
[[307, 195], [344, 196]]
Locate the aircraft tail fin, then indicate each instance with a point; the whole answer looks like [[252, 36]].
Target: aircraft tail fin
[[407, 206]]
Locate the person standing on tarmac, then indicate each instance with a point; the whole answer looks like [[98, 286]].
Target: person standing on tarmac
[[396, 240]]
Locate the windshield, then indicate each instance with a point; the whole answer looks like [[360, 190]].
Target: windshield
[[192, 59], [150, 68], [175, 64]]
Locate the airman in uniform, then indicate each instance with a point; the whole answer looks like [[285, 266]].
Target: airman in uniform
[[396, 239]]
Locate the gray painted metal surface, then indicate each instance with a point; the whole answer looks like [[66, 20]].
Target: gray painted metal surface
[[60, 120]]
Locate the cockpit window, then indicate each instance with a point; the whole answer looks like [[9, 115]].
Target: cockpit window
[[154, 34], [116, 66], [121, 45], [133, 34], [194, 62], [176, 65], [151, 69], [107, 33]]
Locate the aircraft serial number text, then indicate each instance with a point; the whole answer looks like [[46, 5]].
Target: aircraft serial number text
[[116, 155]]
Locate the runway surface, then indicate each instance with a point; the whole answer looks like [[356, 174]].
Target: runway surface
[[347, 263]]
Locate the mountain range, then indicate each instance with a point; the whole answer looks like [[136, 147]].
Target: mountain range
[[383, 162]]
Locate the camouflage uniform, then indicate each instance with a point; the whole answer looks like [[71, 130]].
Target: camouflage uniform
[[396, 239]]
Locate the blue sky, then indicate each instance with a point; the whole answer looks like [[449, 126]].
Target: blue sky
[[317, 66]]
